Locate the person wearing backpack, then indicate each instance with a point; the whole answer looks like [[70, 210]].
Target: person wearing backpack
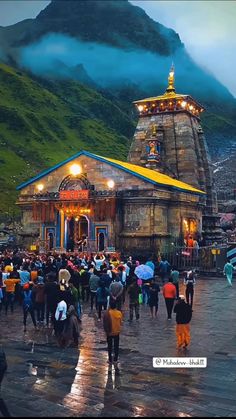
[[28, 305], [190, 282], [112, 326], [183, 317]]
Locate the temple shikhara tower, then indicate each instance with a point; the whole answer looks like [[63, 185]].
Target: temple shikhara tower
[[169, 139]]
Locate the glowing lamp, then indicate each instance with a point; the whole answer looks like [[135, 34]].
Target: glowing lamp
[[75, 169], [40, 187], [110, 184], [183, 104], [191, 107], [140, 108], [172, 73]]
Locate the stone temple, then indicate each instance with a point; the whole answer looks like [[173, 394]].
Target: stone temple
[[163, 194]]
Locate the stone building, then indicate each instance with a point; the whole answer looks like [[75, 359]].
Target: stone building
[[94, 203]]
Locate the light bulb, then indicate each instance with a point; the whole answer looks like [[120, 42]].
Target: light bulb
[[75, 169], [40, 187], [111, 184]]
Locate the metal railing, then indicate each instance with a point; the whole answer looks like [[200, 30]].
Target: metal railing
[[205, 259]]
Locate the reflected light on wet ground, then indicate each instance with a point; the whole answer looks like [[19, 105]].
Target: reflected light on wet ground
[[139, 411], [91, 371]]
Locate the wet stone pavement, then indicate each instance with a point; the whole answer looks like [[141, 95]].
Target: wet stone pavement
[[46, 381]]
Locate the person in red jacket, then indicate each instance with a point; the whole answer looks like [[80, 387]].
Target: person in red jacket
[[169, 293]]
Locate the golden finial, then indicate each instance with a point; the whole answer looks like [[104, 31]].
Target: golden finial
[[171, 80]]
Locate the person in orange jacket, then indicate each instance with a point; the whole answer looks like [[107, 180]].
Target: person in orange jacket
[[183, 318], [169, 293], [10, 284], [112, 325]]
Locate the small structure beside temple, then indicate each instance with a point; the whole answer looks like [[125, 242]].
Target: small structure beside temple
[[162, 195]]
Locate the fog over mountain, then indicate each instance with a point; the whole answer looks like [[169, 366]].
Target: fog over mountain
[[108, 65]]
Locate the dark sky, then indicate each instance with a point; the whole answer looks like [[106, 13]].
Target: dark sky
[[207, 28]]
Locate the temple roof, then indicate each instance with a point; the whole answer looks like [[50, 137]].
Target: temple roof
[[147, 175], [170, 94], [154, 176]]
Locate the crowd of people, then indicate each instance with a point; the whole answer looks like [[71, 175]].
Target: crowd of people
[[53, 288]]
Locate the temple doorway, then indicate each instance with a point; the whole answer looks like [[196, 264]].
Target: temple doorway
[[51, 241], [101, 242], [77, 233], [50, 238]]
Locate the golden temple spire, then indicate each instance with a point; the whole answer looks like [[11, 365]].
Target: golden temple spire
[[171, 80]]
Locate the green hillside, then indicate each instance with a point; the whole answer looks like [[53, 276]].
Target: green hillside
[[41, 125]]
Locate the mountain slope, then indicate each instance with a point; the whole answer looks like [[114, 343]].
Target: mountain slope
[[115, 22], [42, 124]]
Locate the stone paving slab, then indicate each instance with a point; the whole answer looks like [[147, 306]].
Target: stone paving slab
[[46, 381]]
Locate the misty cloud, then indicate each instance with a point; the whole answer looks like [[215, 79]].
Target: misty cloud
[[2, 55], [57, 54], [104, 64]]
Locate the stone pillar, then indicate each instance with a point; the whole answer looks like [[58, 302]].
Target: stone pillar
[[62, 228]]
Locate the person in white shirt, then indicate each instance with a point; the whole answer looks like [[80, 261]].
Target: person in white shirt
[[60, 317], [99, 260]]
